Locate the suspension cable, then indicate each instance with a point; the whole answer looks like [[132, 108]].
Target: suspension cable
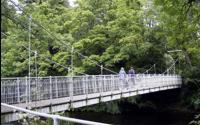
[[36, 86], [66, 45], [170, 67], [49, 60], [146, 71]]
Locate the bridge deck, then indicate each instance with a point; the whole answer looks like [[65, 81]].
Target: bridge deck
[[43, 91], [54, 94]]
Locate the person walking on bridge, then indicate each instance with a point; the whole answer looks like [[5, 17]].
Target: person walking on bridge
[[131, 74], [122, 76]]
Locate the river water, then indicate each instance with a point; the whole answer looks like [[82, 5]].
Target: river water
[[174, 118]]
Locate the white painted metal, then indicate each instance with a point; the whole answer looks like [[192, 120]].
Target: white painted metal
[[16, 90], [56, 118], [29, 57], [85, 92]]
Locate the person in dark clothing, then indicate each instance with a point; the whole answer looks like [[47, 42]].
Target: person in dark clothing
[[131, 74]]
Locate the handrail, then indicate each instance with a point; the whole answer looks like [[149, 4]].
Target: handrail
[[54, 117], [40, 77]]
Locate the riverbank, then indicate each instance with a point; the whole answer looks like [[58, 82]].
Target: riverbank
[[158, 108]]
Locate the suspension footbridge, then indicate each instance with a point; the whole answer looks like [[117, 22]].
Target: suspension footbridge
[[60, 93]]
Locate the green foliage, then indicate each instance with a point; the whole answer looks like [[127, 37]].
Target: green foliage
[[109, 32], [196, 121], [113, 33]]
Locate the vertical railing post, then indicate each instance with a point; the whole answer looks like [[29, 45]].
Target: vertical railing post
[[157, 80], [36, 91], [50, 91], [55, 120], [172, 79], [172, 76], [86, 85], [148, 84], [164, 77], [18, 92], [104, 84], [154, 80], [26, 89], [175, 79], [29, 90], [168, 79], [94, 83], [83, 84], [144, 80], [3, 92], [39, 88], [71, 89], [112, 83], [163, 80], [56, 87]]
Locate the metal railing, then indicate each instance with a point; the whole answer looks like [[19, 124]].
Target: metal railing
[[55, 118], [20, 90]]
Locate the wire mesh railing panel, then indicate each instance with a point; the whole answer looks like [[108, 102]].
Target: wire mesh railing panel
[[44, 88], [54, 87], [9, 91], [33, 89], [21, 90], [90, 85], [63, 86], [138, 78], [116, 83], [78, 86], [131, 82], [99, 81], [3, 91], [107, 83]]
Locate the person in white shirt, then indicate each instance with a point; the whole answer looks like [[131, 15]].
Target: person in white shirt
[[122, 77]]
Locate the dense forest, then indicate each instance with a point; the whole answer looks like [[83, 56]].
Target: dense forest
[[111, 33]]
